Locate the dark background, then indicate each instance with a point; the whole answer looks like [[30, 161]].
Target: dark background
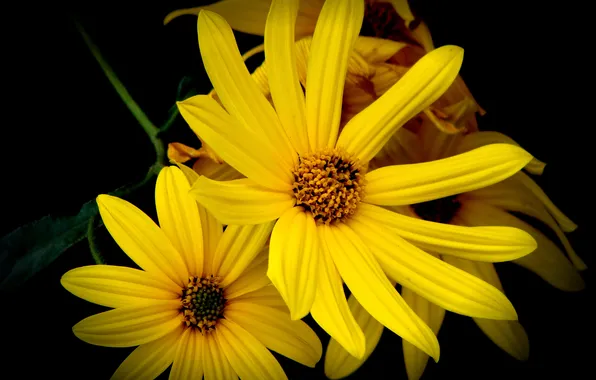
[[67, 137]]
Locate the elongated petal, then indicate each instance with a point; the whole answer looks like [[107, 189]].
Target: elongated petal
[[377, 50], [338, 362], [330, 308], [433, 315], [237, 248], [215, 363], [179, 216], [265, 296], [252, 279], [241, 201], [114, 286], [478, 243], [334, 37], [188, 363], [476, 140], [212, 233], [249, 357], [403, 10], [275, 329], [130, 326], [236, 89], [149, 360], [547, 261], [286, 90], [365, 279], [229, 138], [141, 239], [425, 82], [293, 260], [440, 283], [190, 174], [416, 183]]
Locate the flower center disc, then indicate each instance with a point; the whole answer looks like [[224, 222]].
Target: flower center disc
[[329, 184], [203, 303], [440, 210]]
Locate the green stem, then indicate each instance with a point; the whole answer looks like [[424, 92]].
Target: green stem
[[97, 257]]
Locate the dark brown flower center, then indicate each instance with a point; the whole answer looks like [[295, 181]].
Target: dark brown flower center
[[203, 303], [329, 184], [441, 210]]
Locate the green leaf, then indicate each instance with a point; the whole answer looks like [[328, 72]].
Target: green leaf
[[31, 247]]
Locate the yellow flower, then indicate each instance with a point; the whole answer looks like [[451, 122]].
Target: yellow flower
[[313, 182], [202, 301], [482, 207]]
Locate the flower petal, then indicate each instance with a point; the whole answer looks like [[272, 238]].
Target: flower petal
[[212, 233], [431, 278], [367, 132], [338, 362], [334, 37], [219, 171], [508, 335], [179, 216], [241, 201], [189, 173], [433, 315], [188, 363], [365, 279], [249, 357], [547, 261], [130, 326], [275, 329], [238, 246], [236, 90], [416, 183], [377, 50], [149, 360], [115, 286], [330, 308], [141, 239], [215, 364], [474, 243], [229, 137], [286, 90], [403, 10], [478, 139], [252, 279], [293, 259], [265, 296]]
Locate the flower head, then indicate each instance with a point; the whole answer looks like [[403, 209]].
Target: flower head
[[298, 165], [201, 301]]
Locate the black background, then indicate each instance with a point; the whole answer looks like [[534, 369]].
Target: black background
[[67, 137]]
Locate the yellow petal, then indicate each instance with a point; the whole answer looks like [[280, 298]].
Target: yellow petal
[[377, 50], [338, 362], [114, 286], [249, 357], [130, 326], [334, 37], [478, 139], [286, 90], [216, 170], [252, 279], [182, 153], [228, 137], [241, 201], [508, 335], [414, 359], [547, 261], [244, 16], [238, 246], [403, 10], [367, 132], [189, 173], [416, 183], [423, 36], [215, 363], [365, 279], [141, 239], [149, 360], [188, 363], [236, 89], [474, 243], [275, 329], [293, 259], [431, 278], [330, 308], [179, 216], [265, 296]]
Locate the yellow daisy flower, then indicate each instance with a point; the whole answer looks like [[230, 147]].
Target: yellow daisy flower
[[202, 301], [482, 207], [313, 182]]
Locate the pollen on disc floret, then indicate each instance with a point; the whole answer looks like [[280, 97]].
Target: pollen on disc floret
[[329, 183], [203, 303]]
